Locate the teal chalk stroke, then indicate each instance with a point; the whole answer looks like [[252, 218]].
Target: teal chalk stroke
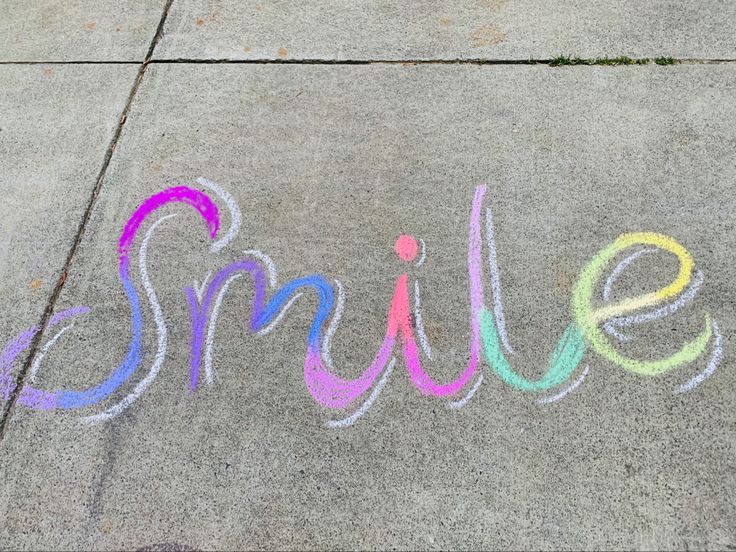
[[562, 362]]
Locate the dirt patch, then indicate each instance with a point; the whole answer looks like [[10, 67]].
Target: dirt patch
[[487, 35]]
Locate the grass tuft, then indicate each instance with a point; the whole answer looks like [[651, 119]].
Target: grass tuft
[[665, 61], [606, 61]]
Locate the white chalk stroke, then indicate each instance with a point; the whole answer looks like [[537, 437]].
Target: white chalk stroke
[[405, 333], [457, 405], [235, 216], [713, 363], [350, 420], [566, 391], [46, 348], [209, 371], [334, 323], [161, 331], [423, 341]]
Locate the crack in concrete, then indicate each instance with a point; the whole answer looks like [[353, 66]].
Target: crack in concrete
[[9, 407]]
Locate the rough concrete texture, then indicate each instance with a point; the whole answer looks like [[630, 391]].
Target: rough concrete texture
[[329, 165], [78, 30], [434, 29], [56, 123]]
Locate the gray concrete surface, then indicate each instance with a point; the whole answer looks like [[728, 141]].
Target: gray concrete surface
[[78, 30], [329, 164], [434, 29], [56, 123]]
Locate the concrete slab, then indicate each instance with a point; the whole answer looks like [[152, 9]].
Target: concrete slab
[[78, 30], [329, 164], [56, 123], [433, 29]]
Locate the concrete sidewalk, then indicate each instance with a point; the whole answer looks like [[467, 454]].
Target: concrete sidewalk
[[314, 135]]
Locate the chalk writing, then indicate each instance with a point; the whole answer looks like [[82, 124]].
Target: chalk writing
[[404, 336]]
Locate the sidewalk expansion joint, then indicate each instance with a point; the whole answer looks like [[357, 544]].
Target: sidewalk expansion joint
[[551, 62], [9, 407]]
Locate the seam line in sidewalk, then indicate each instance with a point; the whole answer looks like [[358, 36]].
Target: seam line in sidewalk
[[320, 61], [474, 61], [9, 407]]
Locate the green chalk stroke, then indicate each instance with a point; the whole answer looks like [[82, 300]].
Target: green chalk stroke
[[562, 362]]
